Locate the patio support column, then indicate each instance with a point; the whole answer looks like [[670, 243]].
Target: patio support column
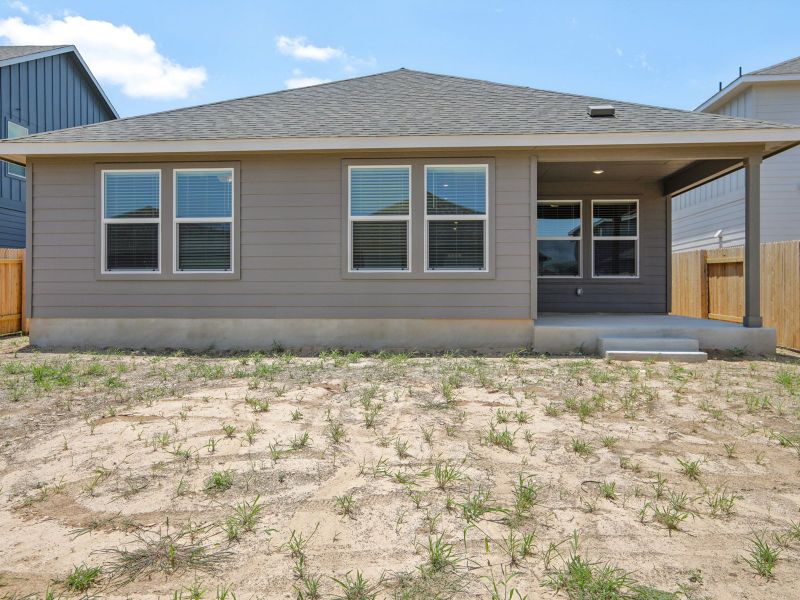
[[532, 236], [668, 199], [752, 242]]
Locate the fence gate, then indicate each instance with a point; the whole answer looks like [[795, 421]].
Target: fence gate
[[725, 288]]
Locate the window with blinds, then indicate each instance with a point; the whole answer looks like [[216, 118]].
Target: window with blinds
[[456, 199], [13, 131], [558, 232], [204, 220], [615, 238], [380, 217], [131, 215]]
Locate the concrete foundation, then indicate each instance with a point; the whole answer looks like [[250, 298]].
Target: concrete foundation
[[562, 333], [485, 335], [556, 334]]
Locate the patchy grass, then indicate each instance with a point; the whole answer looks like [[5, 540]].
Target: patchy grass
[[761, 556], [166, 553], [396, 476], [81, 578]]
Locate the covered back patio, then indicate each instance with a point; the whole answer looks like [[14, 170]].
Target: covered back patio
[[602, 229]]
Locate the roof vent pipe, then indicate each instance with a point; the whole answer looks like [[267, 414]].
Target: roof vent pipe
[[600, 110]]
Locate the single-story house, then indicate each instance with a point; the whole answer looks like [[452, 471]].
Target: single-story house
[[403, 209]]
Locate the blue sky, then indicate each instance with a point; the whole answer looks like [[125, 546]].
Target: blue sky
[[153, 56]]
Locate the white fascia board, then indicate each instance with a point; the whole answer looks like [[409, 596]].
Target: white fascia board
[[739, 85], [16, 151]]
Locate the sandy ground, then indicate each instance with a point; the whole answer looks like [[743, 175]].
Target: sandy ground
[[112, 452]]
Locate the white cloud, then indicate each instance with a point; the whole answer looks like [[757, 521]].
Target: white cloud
[[301, 49], [299, 80], [116, 54], [20, 6], [619, 51]]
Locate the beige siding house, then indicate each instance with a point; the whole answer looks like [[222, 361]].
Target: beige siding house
[[712, 216], [402, 209]]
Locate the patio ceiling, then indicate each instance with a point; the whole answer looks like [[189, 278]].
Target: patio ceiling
[[676, 176], [677, 168], [634, 171]]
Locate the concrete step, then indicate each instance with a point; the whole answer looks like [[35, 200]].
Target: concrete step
[[659, 355], [661, 344]]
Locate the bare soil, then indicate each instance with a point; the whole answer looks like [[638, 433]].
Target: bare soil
[[187, 476]]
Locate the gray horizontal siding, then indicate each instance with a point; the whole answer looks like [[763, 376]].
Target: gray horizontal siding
[[328, 300], [301, 288], [291, 225], [647, 293], [42, 95], [48, 271], [284, 312]]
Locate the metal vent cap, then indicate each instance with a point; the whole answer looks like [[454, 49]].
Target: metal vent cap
[[600, 110]]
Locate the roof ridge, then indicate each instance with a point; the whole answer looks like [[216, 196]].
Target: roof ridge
[[776, 65], [583, 96]]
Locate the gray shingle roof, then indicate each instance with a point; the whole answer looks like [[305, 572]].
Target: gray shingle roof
[[397, 103], [787, 67], [9, 52]]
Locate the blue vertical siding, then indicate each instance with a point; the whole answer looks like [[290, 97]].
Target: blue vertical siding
[[42, 95]]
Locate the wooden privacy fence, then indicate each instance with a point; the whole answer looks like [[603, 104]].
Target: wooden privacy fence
[[709, 284], [12, 291]]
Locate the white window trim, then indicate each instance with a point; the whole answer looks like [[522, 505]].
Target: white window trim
[[104, 221], [380, 218], [619, 237], [177, 220], [8, 165], [567, 238], [484, 217]]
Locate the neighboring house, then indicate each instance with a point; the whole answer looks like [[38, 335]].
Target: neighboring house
[[41, 88], [402, 209], [712, 216]]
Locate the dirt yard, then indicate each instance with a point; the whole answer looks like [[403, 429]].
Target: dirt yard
[[393, 476]]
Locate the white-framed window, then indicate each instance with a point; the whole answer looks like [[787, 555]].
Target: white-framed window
[[203, 232], [558, 235], [13, 131], [379, 218], [456, 217], [615, 238], [131, 221]]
